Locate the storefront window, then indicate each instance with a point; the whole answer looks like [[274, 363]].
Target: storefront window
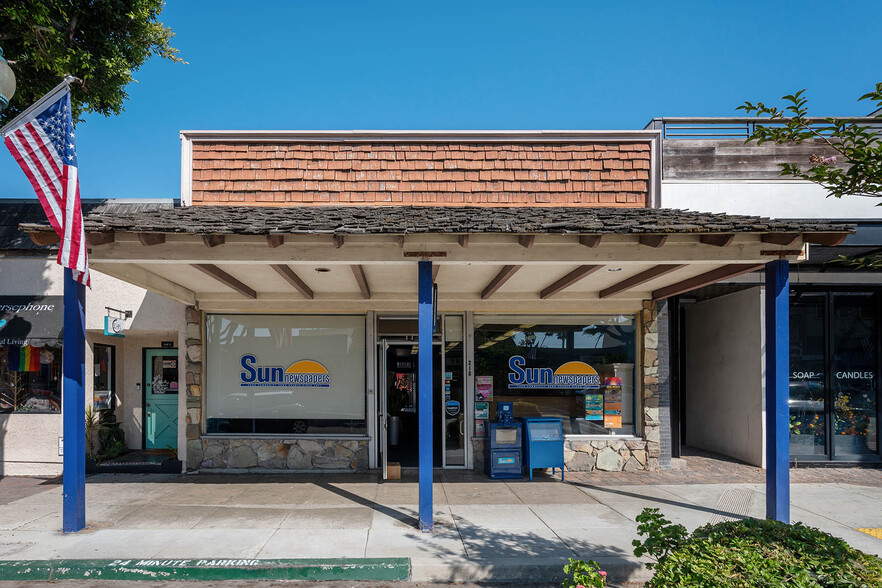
[[285, 375], [855, 329], [834, 360], [103, 374], [807, 375], [30, 354], [578, 369]]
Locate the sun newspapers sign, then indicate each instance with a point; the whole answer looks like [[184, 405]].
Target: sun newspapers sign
[[303, 373], [572, 374]]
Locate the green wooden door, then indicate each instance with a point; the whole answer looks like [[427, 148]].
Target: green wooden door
[[161, 398]]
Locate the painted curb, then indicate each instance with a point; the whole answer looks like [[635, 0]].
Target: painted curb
[[369, 569]]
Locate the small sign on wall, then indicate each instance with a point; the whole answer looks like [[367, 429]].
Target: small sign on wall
[[168, 345]]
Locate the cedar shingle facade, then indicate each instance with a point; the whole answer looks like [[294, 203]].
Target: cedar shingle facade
[[488, 174]]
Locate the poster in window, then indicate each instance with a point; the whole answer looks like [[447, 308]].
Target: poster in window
[[482, 410], [480, 428], [612, 403], [484, 388], [594, 407]]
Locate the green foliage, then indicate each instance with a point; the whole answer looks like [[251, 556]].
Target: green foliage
[[752, 552], [101, 42], [115, 449], [585, 574], [856, 171], [662, 536], [91, 430]]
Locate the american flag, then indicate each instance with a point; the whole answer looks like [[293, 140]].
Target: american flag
[[43, 144]]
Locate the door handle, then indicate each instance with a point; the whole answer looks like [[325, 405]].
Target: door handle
[[148, 404]]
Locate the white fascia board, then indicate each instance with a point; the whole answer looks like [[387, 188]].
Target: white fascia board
[[186, 170], [381, 136]]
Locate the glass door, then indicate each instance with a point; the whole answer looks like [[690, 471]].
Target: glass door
[[453, 409]]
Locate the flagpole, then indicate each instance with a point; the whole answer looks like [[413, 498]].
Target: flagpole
[[52, 93], [73, 405]]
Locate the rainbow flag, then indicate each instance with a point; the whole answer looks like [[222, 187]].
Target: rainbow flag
[[24, 359]]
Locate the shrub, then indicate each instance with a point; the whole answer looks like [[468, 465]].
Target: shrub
[[584, 574], [751, 552]]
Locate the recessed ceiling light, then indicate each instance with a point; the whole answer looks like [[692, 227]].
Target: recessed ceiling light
[[322, 270], [613, 269]]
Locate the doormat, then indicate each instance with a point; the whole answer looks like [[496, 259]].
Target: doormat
[[877, 533]]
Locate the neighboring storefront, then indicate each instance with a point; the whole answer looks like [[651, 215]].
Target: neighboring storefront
[[297, 258], [120, 378]]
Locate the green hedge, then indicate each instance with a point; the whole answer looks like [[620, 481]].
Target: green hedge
[[752, 552]]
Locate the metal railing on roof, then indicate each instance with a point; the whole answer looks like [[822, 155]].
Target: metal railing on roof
[[735, 127]]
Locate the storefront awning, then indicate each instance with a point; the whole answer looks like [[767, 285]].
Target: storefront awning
[[354, 258]]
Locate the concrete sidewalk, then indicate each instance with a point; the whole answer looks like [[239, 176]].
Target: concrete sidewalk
[[504, 531]]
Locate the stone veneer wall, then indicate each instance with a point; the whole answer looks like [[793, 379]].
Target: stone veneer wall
[[247, 454], [284, 454], [194, 386], [615, 455]]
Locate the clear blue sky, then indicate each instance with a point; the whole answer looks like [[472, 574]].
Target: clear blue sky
[[466, 65]]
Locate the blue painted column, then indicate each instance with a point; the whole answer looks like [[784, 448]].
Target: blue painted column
[[73, 405], [425, 396], [778, 391]]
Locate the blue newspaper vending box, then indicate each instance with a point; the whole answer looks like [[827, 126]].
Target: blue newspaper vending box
[[543, 444], [503, 453]]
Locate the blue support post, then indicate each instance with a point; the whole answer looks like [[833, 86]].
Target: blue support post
[[778, 391], [73, 405], [425, 396]]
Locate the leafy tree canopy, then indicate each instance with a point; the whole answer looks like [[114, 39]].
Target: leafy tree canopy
[[101, 42], [855, 171]]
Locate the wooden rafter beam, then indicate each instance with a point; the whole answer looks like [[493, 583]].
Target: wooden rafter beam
[[652, 240], [435, 268], [720, 240], [338, 241], [568, 280], [706, 279], [42, 238], [825, 239], [275, 240], [292, 278], [225, 279], [463, 240], [358, 272], [151, 239], [501, 278], [213, 240], [591, 241], [95, 239], [636, 280], [526, 240], [401, 241], [782, 239]]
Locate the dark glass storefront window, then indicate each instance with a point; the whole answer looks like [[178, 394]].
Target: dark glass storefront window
[[853, 372], [834, 360], [103, 376], [807, 375]]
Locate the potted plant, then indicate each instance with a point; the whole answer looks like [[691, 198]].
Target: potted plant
[[91, 434], [172, 465]]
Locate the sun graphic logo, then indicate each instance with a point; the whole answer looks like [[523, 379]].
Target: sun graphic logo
[[303, 373], [573, 374]]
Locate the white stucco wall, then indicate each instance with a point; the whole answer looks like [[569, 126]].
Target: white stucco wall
[[29, 442], [776, 199], [724, 376]]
